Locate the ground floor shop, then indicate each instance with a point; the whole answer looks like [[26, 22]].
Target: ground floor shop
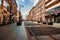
[[5, 17], [57, 18], [53, 15]]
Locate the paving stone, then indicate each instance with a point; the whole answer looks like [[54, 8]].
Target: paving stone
[[13, 32]]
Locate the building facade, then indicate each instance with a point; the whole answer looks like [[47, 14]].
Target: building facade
[[31, 14], [7, 8], [46, 11], [28, 18], [38, 11], [53, 11]]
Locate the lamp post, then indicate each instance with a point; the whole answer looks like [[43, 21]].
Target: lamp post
[[19, 21], [20, 6]]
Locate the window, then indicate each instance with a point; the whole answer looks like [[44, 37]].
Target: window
[[0, 2], [6, 4]]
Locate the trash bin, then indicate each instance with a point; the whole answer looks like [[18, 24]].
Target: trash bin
[[19, 23], [38, 21], [44, 23]]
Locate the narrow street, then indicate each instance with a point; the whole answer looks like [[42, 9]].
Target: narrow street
[[42, 32], [13, 32], [29, 19], [35, 31]]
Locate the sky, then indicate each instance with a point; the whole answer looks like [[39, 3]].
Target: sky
[[28, 4]]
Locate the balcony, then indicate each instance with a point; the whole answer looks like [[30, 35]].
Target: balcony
[[52, 3], [11, 2]]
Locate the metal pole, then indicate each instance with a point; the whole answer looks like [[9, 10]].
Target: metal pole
[[20, 7]]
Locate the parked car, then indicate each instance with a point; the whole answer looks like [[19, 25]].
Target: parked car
[[50, 23], [38, 21], [44, 23]]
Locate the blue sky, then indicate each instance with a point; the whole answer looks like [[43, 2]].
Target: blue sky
[[28, 4]]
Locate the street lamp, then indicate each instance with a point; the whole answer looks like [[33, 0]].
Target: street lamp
[[20, 6], [20, 18]]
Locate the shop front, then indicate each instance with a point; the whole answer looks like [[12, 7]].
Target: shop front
[[53, 15], [57, 18]]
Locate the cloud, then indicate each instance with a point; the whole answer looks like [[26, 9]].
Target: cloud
[[34, 1], [20, 0], [23, 0]]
